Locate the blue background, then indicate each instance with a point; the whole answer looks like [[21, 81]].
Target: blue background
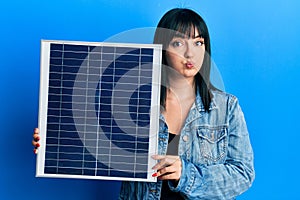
[[255, 45]]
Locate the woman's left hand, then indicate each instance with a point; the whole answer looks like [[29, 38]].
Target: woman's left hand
[[168, 167]]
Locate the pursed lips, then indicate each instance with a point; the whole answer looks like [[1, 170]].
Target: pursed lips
[[188, 64]]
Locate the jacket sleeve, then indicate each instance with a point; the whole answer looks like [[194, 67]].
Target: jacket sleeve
[[226, 180]]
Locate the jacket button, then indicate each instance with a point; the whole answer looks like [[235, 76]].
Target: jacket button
[[185, 138]]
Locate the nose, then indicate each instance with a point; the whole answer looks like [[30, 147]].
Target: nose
[[189, 51]]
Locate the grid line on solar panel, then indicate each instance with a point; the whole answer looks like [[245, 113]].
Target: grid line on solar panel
[[97, 169], [82, 55], [103, 90], [102, 151], [78, 157], [87, 132]]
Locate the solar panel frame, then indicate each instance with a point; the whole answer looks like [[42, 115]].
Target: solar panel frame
[[48, 56]]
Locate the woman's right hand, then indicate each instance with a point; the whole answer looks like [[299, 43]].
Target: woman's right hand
[[35, 141]]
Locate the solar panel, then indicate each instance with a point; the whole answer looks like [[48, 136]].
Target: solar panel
[[99, 110]]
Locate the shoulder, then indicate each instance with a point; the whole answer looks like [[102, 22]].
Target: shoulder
[[227, 103], [221, 98]]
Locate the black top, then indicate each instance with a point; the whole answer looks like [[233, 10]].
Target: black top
[[166, 193]]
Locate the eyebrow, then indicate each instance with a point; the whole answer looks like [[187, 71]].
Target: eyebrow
[[179, 35], [198, 36]]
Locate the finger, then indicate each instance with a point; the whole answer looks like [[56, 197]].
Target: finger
[[35, 144], [36, 131], [167, 177], [36, 137], [167, 157], [35, 151], [160, 165], [168, 174], [164, 161], [158, 157], [165, 170]]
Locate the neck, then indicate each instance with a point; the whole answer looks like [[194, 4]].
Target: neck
[[182, 88]]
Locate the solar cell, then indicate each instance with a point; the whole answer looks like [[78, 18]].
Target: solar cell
[[99, 108]]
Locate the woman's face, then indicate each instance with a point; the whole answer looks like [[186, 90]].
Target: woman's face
[[186, 54]]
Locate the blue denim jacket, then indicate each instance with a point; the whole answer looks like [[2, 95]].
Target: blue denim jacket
[[215, 150]]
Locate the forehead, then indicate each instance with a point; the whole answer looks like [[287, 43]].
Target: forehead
[[192, 33]]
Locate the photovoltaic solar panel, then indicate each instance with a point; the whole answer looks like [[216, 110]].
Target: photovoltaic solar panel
[[99, 110]]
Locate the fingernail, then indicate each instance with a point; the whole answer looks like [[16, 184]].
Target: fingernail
[[37, 138], [37, 145], [154, 175], [35, 151]]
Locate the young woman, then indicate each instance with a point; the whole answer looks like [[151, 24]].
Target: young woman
[[204, 147]]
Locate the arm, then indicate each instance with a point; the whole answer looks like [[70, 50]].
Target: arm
[[225, 180]]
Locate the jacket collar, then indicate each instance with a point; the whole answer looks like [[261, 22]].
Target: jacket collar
[[199, 104]]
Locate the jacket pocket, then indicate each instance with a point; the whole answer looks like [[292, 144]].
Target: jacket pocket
[[213, 143]]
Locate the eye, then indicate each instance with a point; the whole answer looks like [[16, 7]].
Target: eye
[[176, 44], [199, 43]]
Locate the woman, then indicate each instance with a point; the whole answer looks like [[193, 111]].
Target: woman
[[204, 147]]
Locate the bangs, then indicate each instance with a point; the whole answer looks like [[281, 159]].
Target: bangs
[[185, 23], [180, 23], [186, 30]]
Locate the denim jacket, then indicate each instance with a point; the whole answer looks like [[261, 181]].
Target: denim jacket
[[215, 151]]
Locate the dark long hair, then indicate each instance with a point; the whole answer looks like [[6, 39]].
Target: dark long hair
[[185, 21]]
